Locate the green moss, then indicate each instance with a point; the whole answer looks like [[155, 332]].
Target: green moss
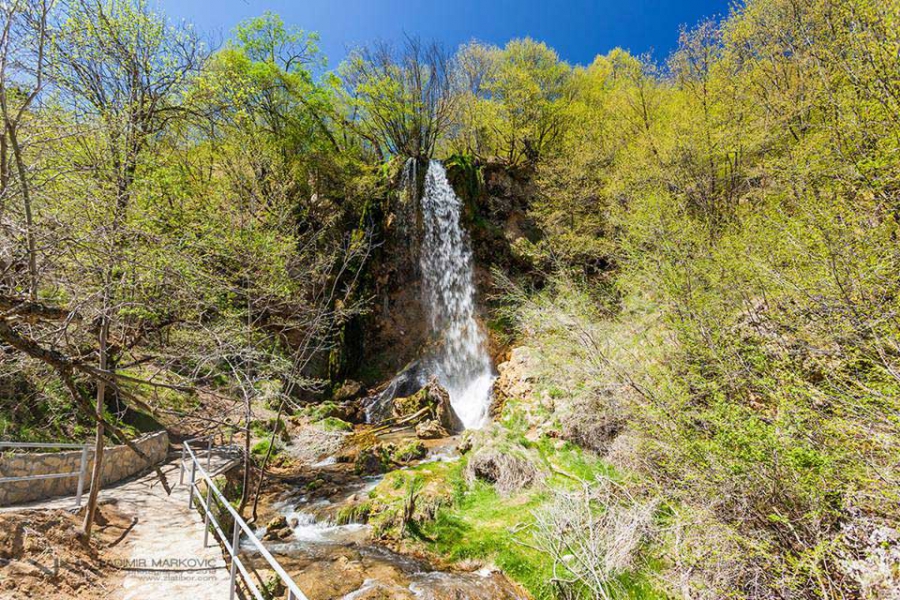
[[334, 424], [261, 448], [413, 404], [465, 176], [414, 450], [478, 527], [354, 513], [317, 412], [460, 521]]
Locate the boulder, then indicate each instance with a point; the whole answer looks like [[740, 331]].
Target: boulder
[[349, 390], [413, 450], [517, 375], [346, 411], [277, 529], [434, 398], [373, 460], [430, 430], [380, 405]]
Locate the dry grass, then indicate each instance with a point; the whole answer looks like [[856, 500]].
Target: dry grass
[[509, 472], [594, 535]]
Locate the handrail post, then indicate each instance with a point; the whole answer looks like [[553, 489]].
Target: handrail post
[[181, 475], [82, 468], [209, 454], [235, 542], [193, 475], [206, 517]]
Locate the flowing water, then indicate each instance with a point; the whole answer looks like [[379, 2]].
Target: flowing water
[[331, 561], [341, 562], [460, 360], [462, 364]]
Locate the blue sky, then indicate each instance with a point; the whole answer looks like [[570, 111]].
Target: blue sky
[[577, 29]]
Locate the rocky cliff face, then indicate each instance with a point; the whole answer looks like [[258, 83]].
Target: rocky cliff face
[[498, 199], [394, 332]]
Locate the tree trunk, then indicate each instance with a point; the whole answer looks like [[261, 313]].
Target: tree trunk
[[245, 483], [4, 171], [29, 221], [97, 472], [64, 367], [262, 470]]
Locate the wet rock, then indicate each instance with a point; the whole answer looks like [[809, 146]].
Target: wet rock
[[432, 401], [275, 528], [411, 451], [377, 591], [465, 444], [372, 461], [331, 578], [349, 390], [279, 522], [407, 382], [430, 430]]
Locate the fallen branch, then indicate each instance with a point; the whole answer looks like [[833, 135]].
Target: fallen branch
[[33, 311], [393, 422], [65, 367]]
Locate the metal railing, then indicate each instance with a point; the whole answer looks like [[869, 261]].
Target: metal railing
[[231, 544], [81, 472]]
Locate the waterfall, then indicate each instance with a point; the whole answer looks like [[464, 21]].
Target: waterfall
[[461, 362]]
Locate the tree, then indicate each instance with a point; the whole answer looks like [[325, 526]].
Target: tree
[[277, 267], [23, 62], [399, 99], [122, 72], [514, 97]]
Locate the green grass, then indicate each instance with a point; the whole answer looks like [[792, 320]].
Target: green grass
[[475, 522], [481, 525], [261, 448]]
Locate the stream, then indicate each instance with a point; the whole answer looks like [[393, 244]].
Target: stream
[[330, 561]]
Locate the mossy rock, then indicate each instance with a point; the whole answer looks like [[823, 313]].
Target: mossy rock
[[261, 448], [354, 513], [317, 412], [263, 428], [373, 460], [435, 399], [413, 450], [334, 424], [348, 390], [404, 407]]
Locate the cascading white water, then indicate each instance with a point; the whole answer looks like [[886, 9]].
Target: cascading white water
[[461, 364]]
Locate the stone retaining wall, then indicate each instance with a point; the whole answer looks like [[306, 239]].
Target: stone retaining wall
[[119, 462]]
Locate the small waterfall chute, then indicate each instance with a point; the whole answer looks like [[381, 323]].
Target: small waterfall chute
[[461, 362], [459, 358]]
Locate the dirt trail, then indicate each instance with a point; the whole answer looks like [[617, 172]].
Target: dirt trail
[[162, 555]]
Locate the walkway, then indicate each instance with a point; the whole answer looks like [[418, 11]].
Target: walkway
[[167, 557]]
